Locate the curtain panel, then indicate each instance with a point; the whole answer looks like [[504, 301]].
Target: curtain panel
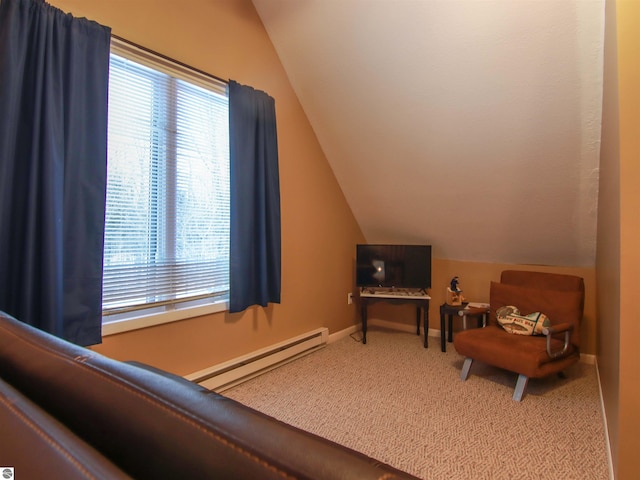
[[53, 148], [255, 243]]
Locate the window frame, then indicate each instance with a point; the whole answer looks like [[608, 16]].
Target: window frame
[[132, 320]]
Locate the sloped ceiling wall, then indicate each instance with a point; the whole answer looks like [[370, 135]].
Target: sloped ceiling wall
[[470, 125]]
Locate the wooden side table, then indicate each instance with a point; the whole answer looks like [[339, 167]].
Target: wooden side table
[[463, 311]]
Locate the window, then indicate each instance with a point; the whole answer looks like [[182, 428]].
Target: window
[[167, 213]]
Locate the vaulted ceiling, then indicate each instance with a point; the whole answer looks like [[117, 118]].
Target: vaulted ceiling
[[470, 125]]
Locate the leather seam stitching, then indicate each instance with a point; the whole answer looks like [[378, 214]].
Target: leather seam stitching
[[44, 435]]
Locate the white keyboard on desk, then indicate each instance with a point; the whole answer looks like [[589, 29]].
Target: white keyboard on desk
[[385, 293]]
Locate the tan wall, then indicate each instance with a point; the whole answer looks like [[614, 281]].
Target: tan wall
[[628, 37], [226, 38], [608, 237], [618, 258]]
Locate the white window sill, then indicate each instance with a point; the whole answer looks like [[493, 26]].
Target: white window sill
[[143, 321]]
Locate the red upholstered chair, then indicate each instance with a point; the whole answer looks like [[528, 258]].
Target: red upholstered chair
[[560, 297]]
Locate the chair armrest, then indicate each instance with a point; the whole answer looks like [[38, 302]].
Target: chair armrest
[[475, 312], [565, 328], [558, 328]]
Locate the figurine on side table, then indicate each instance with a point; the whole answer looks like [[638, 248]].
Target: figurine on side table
[[454, 292]]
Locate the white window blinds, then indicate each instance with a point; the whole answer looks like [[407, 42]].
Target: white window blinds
[[167, 214]]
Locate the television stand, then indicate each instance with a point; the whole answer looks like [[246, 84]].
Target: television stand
[[419, 298]]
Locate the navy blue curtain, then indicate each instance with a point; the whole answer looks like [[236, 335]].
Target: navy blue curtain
[[254, 264], [54, 73]]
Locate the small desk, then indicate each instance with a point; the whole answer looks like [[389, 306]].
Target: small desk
[[449, 311], [420, 301]]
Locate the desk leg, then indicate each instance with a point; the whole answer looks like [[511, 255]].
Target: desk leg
[[443, 333], [425, 314], [450, 328], [418, 320], [364, 322]]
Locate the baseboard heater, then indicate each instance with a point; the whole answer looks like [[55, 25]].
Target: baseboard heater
[[229, 374]]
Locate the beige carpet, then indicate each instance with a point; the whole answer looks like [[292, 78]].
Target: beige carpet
[[405, 405]]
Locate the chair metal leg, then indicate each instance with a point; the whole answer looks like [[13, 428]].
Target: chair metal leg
[[521, 384], [465, 368]]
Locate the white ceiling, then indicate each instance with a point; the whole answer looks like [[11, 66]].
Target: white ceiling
[[471, 125]]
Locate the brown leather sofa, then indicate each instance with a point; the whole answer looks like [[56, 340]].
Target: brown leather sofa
[[67, 412]]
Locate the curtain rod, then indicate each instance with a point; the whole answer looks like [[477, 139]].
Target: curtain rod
[[165, 57]]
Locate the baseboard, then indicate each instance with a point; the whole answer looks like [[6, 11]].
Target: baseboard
[[225, 375], [588, 358], [334, 337], [374, 322], [612, 475], [402, 327]]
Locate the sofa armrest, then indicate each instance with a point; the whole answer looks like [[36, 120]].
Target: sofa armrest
[[549, 332]]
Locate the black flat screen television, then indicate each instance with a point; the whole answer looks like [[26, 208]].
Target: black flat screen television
[[393, 266]]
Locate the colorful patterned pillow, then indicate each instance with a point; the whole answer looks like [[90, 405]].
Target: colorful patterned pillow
[[510, 319]]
